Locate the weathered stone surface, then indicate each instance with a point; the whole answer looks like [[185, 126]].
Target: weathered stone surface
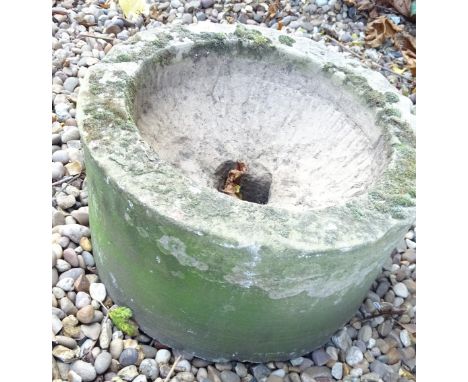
[[180, 235]]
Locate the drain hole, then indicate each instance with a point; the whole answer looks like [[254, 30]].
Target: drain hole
[[250, 183]]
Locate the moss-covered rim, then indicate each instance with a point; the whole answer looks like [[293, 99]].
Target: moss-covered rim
[[106, 119]]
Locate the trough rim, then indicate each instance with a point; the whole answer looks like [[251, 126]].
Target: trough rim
[[111, 138]]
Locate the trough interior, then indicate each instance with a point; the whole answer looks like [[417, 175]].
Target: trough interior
[[319, 142]]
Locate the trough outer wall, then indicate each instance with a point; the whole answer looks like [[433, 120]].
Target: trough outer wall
[[198, 310]]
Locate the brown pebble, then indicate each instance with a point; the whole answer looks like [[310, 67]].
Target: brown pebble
[[71, 257], [393, 356], [85, 314], [82, 284]]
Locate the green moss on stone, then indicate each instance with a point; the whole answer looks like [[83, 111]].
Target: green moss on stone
[[391, 97], [252, 35], [374, 98], [162, 40], [123, 57], [121, 318], [286, 40]]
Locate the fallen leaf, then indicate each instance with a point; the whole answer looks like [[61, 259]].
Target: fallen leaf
[[379, 30], [406, 374], [410, 59], [74, 168], [410, 328], [365, 5], [401, 6], [231, 186], [407, 45], [273, 9], [373, 14], [132, 8], [396, 69]]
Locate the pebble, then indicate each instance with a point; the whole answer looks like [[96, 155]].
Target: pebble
[[337, 370], [71, 83], [98, 291], [72, 133], [241, 370], [140, 378], [106, 334], [102, 362], [261, 372], [65, 354], [116, 347], [207, 3], [74, 231], [58, 170], [85, 370], [128, 373], [73, 377], [297, 361], [149, 368], [60, 156], [405, 338], [354, 356], [401, 290], [66, 341], [128, 357], [229, 376], [66, 284], [183, 365], [91, 331], [365, 333], [342, 340], [81, 215], [314, 372], [320, 357], [163, 356], [85, 314]]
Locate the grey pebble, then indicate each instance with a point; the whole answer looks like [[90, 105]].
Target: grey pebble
[[128, 357], [337, 370], [85, 370], [74, 273], [163, 356], [98, 291], [106, 334], [365, 333], [60, 156], [149, 368], [354, 356], [401, 290], [229, 376], [116, 347], [102, 362], [241, 370], [207, 3], [91, 331], [72, 133], [66, 284], [320, 357], [140, 378], [261, 372], [128, 373], [342, 340], [58, 170], [71, 83], [183, 365], [75, 232]]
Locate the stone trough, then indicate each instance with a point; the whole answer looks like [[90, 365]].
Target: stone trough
[[329, 189]]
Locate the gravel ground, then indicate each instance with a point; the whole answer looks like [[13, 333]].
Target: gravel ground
[[85, 345]]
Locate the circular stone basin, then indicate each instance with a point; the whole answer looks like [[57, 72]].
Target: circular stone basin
[[329, 148]]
